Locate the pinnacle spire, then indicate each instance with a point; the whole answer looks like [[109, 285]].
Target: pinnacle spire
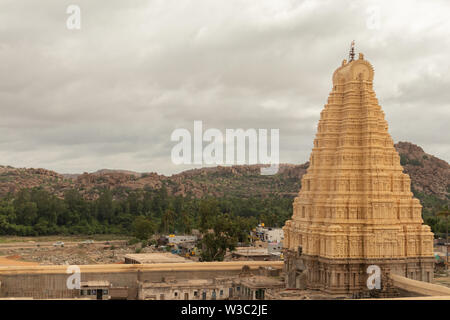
[[351, 55]]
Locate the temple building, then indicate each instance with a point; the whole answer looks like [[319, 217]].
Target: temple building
[[355, 207]]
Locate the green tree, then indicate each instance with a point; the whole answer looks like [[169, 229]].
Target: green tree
[[143, 228], [168, 221], [184, 222], [105, 206], [26, 213], [224, 236], [134, 203], [208, 211]]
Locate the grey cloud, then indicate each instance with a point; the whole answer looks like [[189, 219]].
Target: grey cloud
[[110, 94]]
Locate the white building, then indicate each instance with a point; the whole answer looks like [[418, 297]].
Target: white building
[[274, 235], [181, 239]]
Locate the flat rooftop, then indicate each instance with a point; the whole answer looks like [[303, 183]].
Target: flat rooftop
[[263, 281], [158, 257], [251, 251]]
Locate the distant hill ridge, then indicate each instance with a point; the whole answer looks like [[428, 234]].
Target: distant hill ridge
[[430, 176]]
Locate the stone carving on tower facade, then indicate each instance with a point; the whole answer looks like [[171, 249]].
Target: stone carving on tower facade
[[355, 204]]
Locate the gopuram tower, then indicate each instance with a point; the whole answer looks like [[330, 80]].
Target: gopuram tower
[[355, 208]]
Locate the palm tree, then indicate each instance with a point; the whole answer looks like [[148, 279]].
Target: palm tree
[[168, 220], [445, 212]]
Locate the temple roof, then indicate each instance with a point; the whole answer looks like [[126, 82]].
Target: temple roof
[[354, 70]]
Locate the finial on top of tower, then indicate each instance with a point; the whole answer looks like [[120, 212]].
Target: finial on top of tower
[[351, 56]]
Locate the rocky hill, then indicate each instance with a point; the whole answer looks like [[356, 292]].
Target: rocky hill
[[429, 175], [14, 179]]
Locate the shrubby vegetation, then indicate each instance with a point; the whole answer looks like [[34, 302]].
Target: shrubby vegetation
[[225, 221], [431, 206], [35, 212], [404, 160]]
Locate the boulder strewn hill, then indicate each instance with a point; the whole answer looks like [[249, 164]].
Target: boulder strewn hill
[[13, 179], [430, 176]]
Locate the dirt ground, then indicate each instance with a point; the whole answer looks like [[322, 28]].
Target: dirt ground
[[71, 254], [442, 280], [72, 238], [14, 261]]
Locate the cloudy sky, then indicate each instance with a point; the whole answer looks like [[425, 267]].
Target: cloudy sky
[[110, 94]]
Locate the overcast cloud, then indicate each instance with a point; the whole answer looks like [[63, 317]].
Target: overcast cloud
[[110, 95]]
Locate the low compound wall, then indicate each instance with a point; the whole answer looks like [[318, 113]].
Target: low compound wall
[[50, 282], [419, 288]]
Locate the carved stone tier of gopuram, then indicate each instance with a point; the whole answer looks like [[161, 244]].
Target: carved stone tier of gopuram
[[355, 207]]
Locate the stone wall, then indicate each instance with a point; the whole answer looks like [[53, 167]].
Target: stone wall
[[51, 281]]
